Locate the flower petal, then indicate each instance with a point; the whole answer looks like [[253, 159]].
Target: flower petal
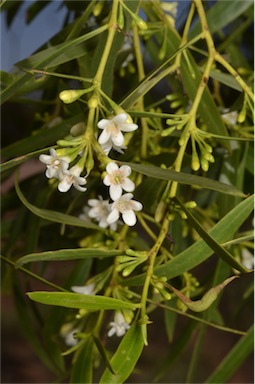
[[128, 127], [113, 216], [128, 185], [126, 170], [51, 172], [107, 180], [115, 192], [46, 159], [102, 124], [64, 186], [117, 139], [129, 218], [111, 167], [136, 205], [120, 118], [104, 137]]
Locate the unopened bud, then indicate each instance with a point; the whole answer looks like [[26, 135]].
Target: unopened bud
[[98, 8], [204, 164], [160, 211], [190, 204], [195, 164], [242, 115], [71, 95]]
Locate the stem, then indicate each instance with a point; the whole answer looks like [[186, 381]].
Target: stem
[[141, 76], [235, 74], [111, 32], [151, 259], [185, 32]]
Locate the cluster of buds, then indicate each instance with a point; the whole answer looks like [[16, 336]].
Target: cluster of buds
[[198, 138], [127, 263]]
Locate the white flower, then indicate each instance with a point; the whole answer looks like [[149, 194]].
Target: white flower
[[247, 259], [55, 164], [230, 117], [70, 340], [99, 211], [88, 289], [109, 145], [71, 177], [118, 326], [117, 179], [126, 206], [113, 128]]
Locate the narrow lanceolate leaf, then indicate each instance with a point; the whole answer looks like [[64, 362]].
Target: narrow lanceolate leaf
[[80, 301], [218, 249], [82, 368], [54, 216], [126, 357], [223, 13], [200, 251], [19, 160], [68, 254], [48, 59], [208, 298], [234, 359], [185, 178], [44, 138]]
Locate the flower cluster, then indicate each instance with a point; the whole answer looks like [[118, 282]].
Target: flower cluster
[[57, 167], [116, 178]]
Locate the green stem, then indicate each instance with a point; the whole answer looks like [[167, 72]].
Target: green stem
[[33, 275], [108, 45], [151, 260], [141, 76], [235, 74]]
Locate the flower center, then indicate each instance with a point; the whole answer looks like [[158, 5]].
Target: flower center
[[117, 177], [113, 129], [124, 205], [56, 163]]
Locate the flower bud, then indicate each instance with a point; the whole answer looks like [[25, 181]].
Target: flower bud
[[190, 204], [77, 129], [71, 95], [160, 211], [204, 164], [121, 18], [93, 102], [140, 23], [195, 164], [98, 8]]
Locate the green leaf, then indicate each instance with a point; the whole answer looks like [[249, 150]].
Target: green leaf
[[185, 178], [26, 317], [50, 58], [54, 216], [198, 252], [221, 14], [225, 79], [126, 356], [82, 368], [234, 359], [102, 352], [43, 138], [80, 301], [19, 160], [68, 254], [218, 249]]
